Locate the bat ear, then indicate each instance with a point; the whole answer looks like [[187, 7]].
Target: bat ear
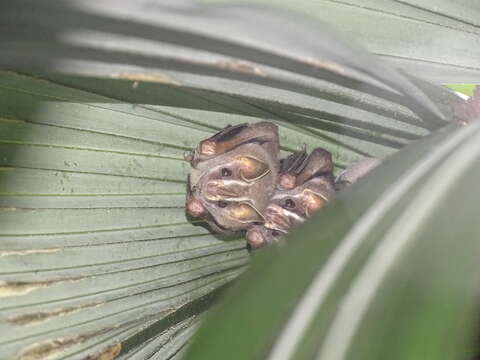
[[289, 169], [293, 162], [229, 133], [243, 213], [318, 163], [312, 201], [298, 168], [217, 143], [251, 169], [316, 193], [233, 136]]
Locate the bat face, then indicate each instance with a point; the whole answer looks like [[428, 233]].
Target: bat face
[[310, 186], [233, 176], [305, 185], [290, 208], [238, 183]]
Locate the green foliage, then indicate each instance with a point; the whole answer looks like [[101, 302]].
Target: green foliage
[[98, 103], [434, 39], [463, 88], [381, 275]]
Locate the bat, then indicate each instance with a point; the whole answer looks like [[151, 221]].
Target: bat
[[305, 185], [233, 176], [297, 168]]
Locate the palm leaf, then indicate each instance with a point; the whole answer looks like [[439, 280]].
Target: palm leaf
[[390, 276], [97, 254], [434, 39]]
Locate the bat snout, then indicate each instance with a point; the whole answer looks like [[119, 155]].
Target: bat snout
[[195, 208], [277, 218], [222, 190], [256, 238], [287, 181]]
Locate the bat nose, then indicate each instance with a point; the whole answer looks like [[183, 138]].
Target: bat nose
[[276, 218], [195, 207], [222, 190], [287, 181], [255, 238]]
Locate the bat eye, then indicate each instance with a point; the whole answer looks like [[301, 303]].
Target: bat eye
[[226, 172], [275, 233], [289, 204], [222, 204]]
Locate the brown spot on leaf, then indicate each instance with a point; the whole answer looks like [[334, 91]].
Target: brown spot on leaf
[[40, 317], [239, 66], [53, 348], [18, 288], [108, 353], [325, 65], [28, 252], [156, 78]]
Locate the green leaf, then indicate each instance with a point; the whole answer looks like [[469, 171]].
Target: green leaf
[[183, 41], [463, 88], [388, 271], [96, 252], [434, 39]]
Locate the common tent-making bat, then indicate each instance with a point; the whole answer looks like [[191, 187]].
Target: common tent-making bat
[[238, 183], [305, 185], [233, 176]]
